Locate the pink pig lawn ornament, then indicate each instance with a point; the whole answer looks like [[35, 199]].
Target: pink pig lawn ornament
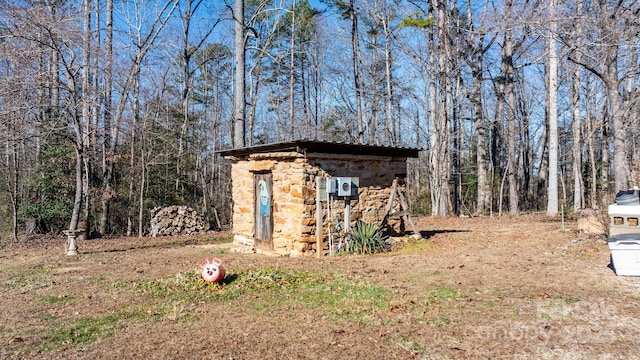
[[213, 271]]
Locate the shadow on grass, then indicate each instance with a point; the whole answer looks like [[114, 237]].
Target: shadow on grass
[[120, 244], [611, 266], [228, 279], [426, 234]]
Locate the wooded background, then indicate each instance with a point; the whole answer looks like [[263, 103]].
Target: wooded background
[[110, 108]]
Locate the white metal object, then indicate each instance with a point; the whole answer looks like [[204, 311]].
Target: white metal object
[[625, 254], [332, 185], [347, 216], [624, 209], [624, 219], [344, 186]]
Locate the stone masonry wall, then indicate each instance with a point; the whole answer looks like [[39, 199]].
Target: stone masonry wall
[[294, 194], [375, 180]]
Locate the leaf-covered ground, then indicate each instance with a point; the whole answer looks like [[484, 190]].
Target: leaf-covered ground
[[481, 288]]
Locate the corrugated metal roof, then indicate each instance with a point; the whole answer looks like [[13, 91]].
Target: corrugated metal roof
[[327, 147]]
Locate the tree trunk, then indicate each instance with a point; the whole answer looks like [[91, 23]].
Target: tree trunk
[[87, 93], [590, 136], [77, 202], [526, 154], [239, 96], [393, 137], [355, 49], [76, 123], [440, 132], [578, 189], [495, 136], [185, 67], [110, 129], [12, 177], [77, 127], [578, 183], [507, 58], [604, 151], [483, 199], [292, 73], [457, 150], [254, 84], [143, 175], [135, 109], [620, 165], [552, 190]]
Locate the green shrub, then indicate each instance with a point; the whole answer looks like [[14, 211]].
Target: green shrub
[[52, 189], [367, 238]]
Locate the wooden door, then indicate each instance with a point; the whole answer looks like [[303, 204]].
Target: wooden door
[[263, 211]]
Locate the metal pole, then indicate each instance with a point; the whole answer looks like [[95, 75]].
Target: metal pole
[[347, 219]]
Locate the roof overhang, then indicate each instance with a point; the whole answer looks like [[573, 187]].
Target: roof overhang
[[326, 147]]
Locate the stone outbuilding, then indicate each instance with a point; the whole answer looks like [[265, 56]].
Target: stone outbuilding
[[281, 204]]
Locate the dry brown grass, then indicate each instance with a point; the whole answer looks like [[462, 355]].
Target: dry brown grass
[[515, 287]]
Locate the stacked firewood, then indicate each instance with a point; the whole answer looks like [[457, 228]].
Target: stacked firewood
[[177, 220]]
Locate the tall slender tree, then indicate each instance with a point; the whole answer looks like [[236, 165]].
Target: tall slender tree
[[239, 137], [109, 138], [552, 59], [507, 59], [440, 131], [477, 48], [576, 127]]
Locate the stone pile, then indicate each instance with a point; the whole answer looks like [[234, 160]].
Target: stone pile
[[177, 220]]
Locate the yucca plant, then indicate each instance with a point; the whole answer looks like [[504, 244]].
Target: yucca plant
[[367, 238]]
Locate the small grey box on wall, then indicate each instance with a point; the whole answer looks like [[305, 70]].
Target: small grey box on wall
[[344, 186]]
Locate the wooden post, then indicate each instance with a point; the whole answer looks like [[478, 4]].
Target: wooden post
[[318, 218], [407, 217], [405, 213], [392, 197]]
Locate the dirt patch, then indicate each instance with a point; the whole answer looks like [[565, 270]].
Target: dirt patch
[[479, 288]]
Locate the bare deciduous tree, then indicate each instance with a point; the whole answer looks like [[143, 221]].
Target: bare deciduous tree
[[239, 138], [552, 88]]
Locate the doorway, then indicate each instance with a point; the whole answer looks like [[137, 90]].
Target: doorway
[[263, 183]]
